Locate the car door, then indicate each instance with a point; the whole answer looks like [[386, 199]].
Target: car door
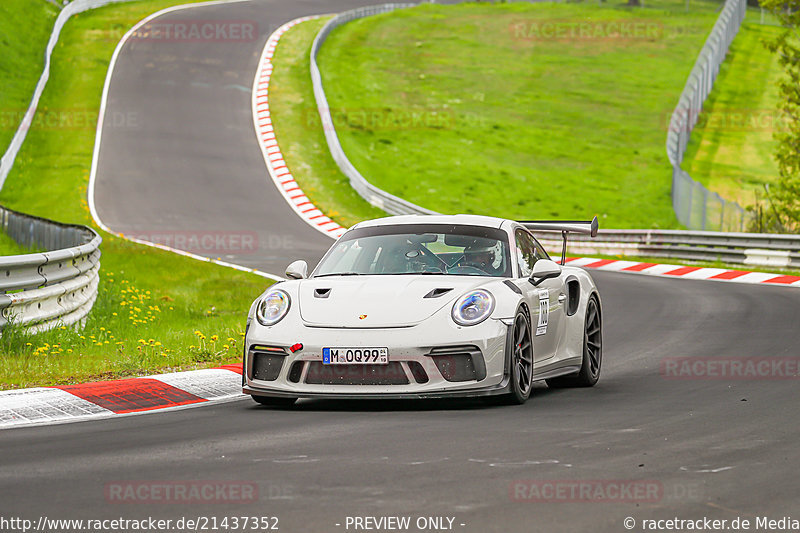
[[546, 300]]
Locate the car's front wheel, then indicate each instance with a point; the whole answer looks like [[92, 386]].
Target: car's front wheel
[[592, 351], [521, 360], [274, 401]]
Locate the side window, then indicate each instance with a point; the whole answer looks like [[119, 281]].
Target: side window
[[540, 252], [526, 253]]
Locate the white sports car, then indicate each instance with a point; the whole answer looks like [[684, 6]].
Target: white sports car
[[426, 307]]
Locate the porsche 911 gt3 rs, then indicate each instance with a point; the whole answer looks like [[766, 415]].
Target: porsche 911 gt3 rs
[[427, 307]]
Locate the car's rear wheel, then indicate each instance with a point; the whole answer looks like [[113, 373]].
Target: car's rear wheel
[[592, 351], [274, 401], [521, 360]]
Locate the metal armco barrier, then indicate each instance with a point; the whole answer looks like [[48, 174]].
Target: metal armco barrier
[[695, 206], [761, 249], [58, 287], [372, 194]]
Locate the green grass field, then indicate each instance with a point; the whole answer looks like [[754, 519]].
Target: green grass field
[[731, 150], [503, 109], [156, 311], [25, 27]]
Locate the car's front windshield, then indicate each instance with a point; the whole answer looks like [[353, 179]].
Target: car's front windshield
[[419, 249]]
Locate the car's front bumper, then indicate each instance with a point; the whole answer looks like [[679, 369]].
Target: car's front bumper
[[434, 348]]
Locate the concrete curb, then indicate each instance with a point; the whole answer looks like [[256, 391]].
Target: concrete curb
[[685, 272], [104, 399], [273, 158]]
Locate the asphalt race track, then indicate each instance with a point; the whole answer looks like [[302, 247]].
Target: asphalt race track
[[716, 448], [179, 158]]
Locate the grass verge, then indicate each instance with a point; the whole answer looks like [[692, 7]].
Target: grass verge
[[21, 58], [156, 311], [731, 149], [504, 109]]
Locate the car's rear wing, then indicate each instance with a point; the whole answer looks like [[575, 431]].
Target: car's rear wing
[[586, 227], [565, 227]]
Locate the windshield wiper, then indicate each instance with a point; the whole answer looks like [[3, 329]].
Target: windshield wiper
[[338, 274]]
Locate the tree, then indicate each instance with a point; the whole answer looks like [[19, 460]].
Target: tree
[[786, 196]]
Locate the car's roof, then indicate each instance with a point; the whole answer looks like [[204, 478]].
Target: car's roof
[[468, 220]]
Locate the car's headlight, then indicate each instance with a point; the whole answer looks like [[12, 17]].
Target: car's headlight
[[473, 308], [272, 307]]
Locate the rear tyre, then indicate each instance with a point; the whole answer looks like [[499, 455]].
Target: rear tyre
[[521, 361], [592, 351], [274, 401]]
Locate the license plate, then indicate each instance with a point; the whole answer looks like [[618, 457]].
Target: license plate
[[355, 356]]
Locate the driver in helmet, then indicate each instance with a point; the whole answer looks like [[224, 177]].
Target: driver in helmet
[[479, 256]]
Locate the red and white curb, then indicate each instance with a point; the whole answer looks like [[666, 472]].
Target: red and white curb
[[276, 166], [103, 399], [685, 272]]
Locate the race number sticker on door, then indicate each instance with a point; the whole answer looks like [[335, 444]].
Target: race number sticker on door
[[544, 311]]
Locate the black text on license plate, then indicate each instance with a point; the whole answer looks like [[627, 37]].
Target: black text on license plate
[[355, 356]]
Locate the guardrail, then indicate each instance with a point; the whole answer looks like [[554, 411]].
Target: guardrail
[[695, 206], [759, 249], [58, 287], [372, 194]]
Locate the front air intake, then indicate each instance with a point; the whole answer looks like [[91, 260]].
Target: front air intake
[[459, 363], [320, 374], [265, 362]]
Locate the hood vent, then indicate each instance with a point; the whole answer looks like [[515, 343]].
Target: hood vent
[[322, 293], [435, 293]]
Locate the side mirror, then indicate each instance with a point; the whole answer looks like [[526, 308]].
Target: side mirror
[[544, 269], [297, 270]]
